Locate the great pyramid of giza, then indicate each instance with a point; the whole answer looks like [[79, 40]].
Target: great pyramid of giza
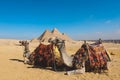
[[53, 34]]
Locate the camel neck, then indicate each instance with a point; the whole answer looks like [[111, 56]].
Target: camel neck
[[65, 57], [27, 48]]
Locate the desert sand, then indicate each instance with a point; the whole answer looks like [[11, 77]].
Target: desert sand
[[13, 68]]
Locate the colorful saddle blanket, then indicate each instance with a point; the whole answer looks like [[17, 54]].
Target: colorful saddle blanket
[[98, 56]]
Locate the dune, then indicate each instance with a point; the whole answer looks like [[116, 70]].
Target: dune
[[13, 68]]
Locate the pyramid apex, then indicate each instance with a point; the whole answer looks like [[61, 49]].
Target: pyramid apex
[[55, 31], [46, 33], [47, 30]]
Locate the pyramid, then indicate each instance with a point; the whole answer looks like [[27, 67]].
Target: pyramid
[[55, 31], [45, 35], [53, 34]]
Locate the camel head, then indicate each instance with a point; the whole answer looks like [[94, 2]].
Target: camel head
[[24, 43], [58, 42]]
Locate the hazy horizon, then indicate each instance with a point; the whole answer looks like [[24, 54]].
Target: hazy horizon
[[79, 19]]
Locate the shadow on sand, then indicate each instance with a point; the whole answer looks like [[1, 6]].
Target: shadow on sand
[[48, 68], [40, 67], [18, 60]]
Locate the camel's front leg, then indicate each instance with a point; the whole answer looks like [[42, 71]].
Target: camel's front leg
[[24, 58]]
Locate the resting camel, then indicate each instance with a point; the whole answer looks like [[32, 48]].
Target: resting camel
[[43, 55], [91, 57]]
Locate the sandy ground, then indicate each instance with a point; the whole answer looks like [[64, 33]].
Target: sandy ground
[[13, 68]]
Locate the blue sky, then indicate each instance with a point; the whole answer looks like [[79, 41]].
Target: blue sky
[[80, 19]]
